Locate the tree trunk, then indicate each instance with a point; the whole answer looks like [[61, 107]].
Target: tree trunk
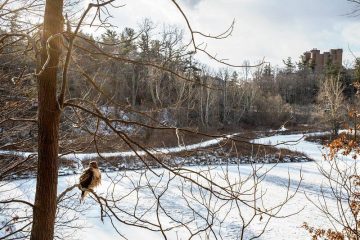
[[207, 107], [133, 87], [225, 107], [48, 127]]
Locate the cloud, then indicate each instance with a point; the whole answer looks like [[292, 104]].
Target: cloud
[[351, 33], [272, 29], [279, 28], [190, 3]]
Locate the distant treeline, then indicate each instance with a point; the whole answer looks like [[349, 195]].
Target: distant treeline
[[186, 93]]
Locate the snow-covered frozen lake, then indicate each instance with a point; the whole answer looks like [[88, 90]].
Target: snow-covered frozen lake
[[274, 184]]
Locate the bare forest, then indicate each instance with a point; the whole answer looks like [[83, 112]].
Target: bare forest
[[116, 131]]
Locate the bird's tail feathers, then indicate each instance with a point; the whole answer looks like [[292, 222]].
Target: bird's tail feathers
[[83, 194]]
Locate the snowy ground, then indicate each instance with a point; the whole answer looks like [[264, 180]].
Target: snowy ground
[[274, 183]]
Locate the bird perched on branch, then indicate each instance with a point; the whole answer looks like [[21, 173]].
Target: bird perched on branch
[[89, 179]]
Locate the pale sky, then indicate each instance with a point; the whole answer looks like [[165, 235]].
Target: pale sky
[[270, 29]]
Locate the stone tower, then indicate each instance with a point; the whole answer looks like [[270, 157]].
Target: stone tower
[[318, 61]]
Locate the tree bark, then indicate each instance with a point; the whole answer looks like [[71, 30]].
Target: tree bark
[[48, 126]]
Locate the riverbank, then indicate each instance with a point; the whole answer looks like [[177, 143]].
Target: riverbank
[[275, 184]]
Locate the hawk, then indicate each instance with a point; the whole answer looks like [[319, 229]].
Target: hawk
[[89, 179]]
